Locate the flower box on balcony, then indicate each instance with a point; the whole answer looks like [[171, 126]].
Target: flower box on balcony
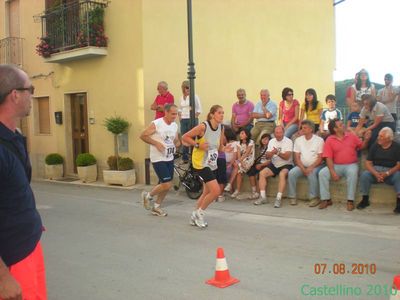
[[76, 54]]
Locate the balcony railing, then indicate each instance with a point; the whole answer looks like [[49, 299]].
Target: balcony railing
[[76, 25], [11, 51]]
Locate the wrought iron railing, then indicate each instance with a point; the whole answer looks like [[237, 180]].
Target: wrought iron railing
[[11, 51], [75, 25]]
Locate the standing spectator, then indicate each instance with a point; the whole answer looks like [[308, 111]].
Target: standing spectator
[[162, 98], [340, 151], [22, 270], [389, 96], [349, 91], [382, 166], [311, 109], [378, 116], [162, 136], [242, 112], [308, 162], [265, 113], [328, 114], [363, 86], [289, 112], [184, 114], [280, 151]]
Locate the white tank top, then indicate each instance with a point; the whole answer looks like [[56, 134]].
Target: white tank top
[[165, 134]]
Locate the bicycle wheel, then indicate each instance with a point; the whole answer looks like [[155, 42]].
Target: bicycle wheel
[[193, 186]]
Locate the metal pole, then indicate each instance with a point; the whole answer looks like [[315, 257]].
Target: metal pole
[[191, 71]]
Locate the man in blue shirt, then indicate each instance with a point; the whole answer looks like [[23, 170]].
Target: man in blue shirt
[[265, 115], [22, 274]]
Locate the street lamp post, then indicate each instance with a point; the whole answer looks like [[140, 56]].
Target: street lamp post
[[191, 70]]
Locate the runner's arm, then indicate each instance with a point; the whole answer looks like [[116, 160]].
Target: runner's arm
[[189, 138]]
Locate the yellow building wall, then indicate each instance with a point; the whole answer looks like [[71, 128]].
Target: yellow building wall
[[240, 44], [250, 44]]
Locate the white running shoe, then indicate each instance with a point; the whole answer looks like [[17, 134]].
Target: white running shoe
[[193, 219], [277, 203], [146, 200], [260, 201], [228, 187], [254, 196], [235, 194]]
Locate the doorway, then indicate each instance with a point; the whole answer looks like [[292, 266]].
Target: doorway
[[79, 125]]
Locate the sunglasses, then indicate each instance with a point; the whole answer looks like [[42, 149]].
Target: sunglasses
[[30, 89], [289, 94]]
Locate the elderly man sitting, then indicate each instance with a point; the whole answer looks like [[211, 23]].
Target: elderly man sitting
[[382, 165]]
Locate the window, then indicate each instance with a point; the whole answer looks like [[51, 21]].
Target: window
[[43, 115]]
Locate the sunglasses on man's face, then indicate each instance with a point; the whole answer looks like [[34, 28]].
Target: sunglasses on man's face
[[30, 89]]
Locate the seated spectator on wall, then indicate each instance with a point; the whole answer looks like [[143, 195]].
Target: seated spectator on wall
[[259, 164], [340, 152], [280, 152], [289, 112], [265, 114], [328, 114], [311, 108], [388, 95], [308, 162], [382, 166], [378, 116], [242, 111], [353, 118]]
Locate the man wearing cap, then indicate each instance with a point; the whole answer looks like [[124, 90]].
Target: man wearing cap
[[389, 95], [265, 115]]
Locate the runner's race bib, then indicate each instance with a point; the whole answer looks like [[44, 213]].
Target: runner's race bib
[[169, 149], [212, 158]]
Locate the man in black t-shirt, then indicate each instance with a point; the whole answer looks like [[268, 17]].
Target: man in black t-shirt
[[382, 165]]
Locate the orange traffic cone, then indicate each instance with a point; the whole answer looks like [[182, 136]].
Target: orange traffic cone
[[395, 294], [222, 277]]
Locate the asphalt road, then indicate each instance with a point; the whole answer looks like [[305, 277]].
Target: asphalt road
[[101, 244]]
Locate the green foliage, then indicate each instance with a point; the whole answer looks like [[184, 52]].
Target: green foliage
[[123, 163], [54, 159], [85, 159], [96, 16], [116, 125]]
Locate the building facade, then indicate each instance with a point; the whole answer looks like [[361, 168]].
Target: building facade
[[105, 58]]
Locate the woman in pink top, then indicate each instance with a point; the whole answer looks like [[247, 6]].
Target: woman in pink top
[[289, 112]]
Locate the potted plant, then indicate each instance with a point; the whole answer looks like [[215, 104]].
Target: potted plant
[[54, 166], [121, 169], [121, 173], [87, 167]]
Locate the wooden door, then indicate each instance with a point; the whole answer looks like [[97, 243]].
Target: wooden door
[[79, 122]]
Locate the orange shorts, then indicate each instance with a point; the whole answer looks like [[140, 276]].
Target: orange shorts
[[30, 274]]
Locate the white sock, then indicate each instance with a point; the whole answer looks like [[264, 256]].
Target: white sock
[[279, 196], [262, 193], [254, 189], [156, 205]]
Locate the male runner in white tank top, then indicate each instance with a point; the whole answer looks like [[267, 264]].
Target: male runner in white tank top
[[162, 136]]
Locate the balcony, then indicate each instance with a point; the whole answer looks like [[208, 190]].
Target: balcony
[[74, 31], [11, 51]]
